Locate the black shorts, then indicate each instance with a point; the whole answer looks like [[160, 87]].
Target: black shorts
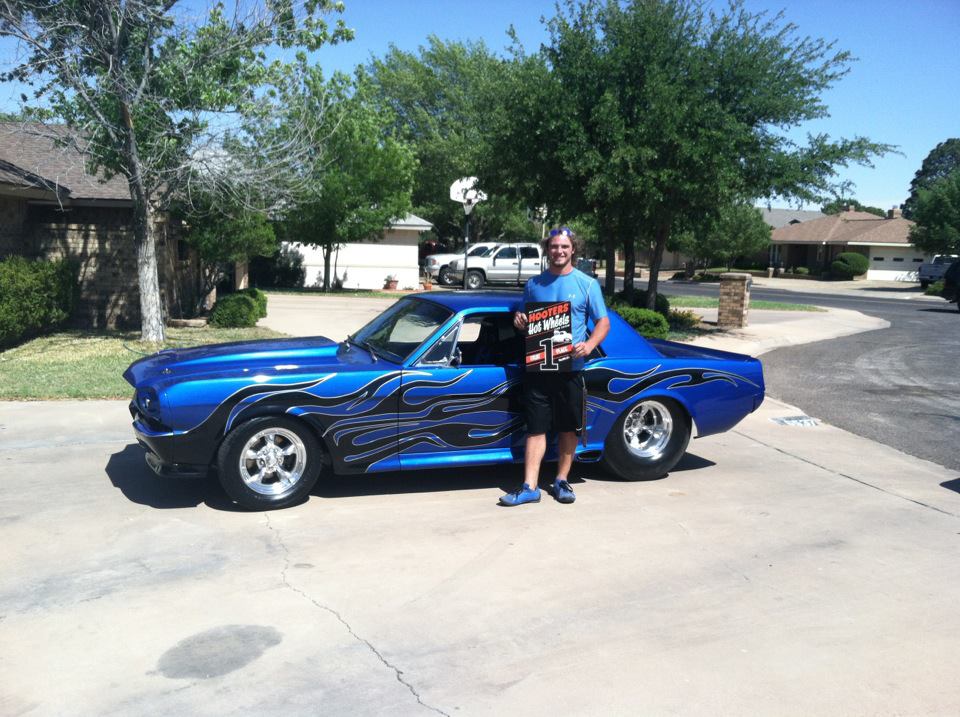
[[554, 401]]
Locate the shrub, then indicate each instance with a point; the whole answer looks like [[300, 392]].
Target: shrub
[[234, 311], [683, 320], [935, 289], [650, 324], [849, 264], [259, 298], [802, 270], [35, 296], [640, 301]]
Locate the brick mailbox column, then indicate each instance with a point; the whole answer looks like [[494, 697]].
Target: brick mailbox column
[[734, 300]]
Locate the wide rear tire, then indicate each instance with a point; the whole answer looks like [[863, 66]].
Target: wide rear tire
[[647, 440], [269, 462]]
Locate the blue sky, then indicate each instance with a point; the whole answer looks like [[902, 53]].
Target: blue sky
[[903, 90]]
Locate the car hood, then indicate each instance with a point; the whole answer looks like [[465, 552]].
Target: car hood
[[268, 357]]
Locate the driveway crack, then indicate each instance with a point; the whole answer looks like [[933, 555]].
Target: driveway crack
[[398, 673], [847, 476]]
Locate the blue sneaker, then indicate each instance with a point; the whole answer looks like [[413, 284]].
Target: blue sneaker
[[562, 491], [524, 494]]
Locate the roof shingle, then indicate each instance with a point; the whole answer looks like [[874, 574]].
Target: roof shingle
[[846, 228]]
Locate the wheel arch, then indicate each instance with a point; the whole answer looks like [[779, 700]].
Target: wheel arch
[[254, 412]]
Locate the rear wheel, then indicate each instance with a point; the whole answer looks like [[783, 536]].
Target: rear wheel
[[474, 279], [647, 440], [269, 462]]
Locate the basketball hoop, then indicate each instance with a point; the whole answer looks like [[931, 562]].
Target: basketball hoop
[[466, 193]]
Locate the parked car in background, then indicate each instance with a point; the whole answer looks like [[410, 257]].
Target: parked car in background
[[933, 271], [432, 382], [437, 266], [588, 266], [507, 264]]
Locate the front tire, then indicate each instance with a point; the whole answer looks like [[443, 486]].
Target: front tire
[[474, 279], [444, 276], [647, 440], [269, 462]]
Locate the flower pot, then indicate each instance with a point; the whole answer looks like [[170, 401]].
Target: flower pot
[[390, 285]]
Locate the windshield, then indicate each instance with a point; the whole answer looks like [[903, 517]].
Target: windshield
[[481, 251], [396, 332]]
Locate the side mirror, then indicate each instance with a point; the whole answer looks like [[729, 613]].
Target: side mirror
[[457, 358]]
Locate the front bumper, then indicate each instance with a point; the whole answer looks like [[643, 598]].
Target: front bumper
[[158, 445]]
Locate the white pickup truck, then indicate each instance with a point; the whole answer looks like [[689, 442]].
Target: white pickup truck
[[507, 264], [933, 271], [437, 266]]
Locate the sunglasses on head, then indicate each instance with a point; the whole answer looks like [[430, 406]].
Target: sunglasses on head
[[561, 232]]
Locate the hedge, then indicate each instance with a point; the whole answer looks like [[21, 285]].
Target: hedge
[[35, 296], [640, 301], [234, 311], [259, 298], [849, 264], [650, 324]]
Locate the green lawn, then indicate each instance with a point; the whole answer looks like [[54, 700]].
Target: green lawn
[[705, 302], [81, 364]]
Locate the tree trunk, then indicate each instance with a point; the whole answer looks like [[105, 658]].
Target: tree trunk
[[327, 248], [629, 265], [660, 241], [610, 251], [151, 310]]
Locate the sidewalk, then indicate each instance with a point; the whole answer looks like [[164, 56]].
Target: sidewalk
[[336, 316]]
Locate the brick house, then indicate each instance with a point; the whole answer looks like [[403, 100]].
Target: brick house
[[51, 207], [885, 241]]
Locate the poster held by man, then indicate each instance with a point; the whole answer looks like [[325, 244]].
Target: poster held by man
[[548, 339]]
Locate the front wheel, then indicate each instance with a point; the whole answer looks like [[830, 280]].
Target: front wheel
[[648, 440], [474, 279], [269, 462], [444, 276]]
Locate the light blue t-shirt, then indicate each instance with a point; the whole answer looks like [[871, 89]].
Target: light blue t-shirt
[[583, 293]]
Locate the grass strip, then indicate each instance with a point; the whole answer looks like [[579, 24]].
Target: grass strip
[[706, 302], [87, 365]]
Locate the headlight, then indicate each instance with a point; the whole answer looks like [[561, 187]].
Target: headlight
[[431, 261]]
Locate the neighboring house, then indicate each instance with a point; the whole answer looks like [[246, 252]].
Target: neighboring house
[[366, 265], [885, 241], [776, 218], [51, 207]]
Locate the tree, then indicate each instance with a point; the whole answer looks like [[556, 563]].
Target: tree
[[653, 114], [224, 236], [436, 98], [840, 205], [943, 159], [937, 216], [739, 230], [148, 95], [361, 182]]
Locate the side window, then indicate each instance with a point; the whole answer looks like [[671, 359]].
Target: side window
[[489, 340], [442, 351], [529, 252], [507, 253]]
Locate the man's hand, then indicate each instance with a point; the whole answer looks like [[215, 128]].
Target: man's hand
[[520, 320], [582, 349]]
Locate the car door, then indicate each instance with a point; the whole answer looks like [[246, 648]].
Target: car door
[[503, 265], [460, 402], [530, 264]]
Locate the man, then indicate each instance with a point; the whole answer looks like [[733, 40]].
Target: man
[[555, 401]]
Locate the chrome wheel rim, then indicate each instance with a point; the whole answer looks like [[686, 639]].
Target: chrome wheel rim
[[474, 281], [272, 461], [647, 429]]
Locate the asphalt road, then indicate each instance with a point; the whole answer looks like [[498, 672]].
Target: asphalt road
[[898, 386]]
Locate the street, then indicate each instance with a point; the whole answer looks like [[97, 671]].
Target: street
[[897, 386]]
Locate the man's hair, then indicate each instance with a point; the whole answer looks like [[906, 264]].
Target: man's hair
[[563, 232]]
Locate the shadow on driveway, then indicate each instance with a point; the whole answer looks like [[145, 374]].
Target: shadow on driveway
[[128, 472]]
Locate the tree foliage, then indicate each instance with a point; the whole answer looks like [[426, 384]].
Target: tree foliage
[[161, 98], [944, 159], [437, 98], [363, 179], [738, 231], [840, 205], [652, 114], [937, 216]]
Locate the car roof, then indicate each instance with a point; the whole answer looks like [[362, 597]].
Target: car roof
[[459, 300]]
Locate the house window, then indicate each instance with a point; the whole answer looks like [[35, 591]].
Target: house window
[[918, 261], [878, 258], [898, 258]]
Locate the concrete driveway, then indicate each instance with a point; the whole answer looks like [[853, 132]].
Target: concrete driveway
[[780, 569]]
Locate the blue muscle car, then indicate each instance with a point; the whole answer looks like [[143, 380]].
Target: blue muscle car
[[434, 381]]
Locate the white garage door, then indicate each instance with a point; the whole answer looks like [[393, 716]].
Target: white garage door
[[894, 263]]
